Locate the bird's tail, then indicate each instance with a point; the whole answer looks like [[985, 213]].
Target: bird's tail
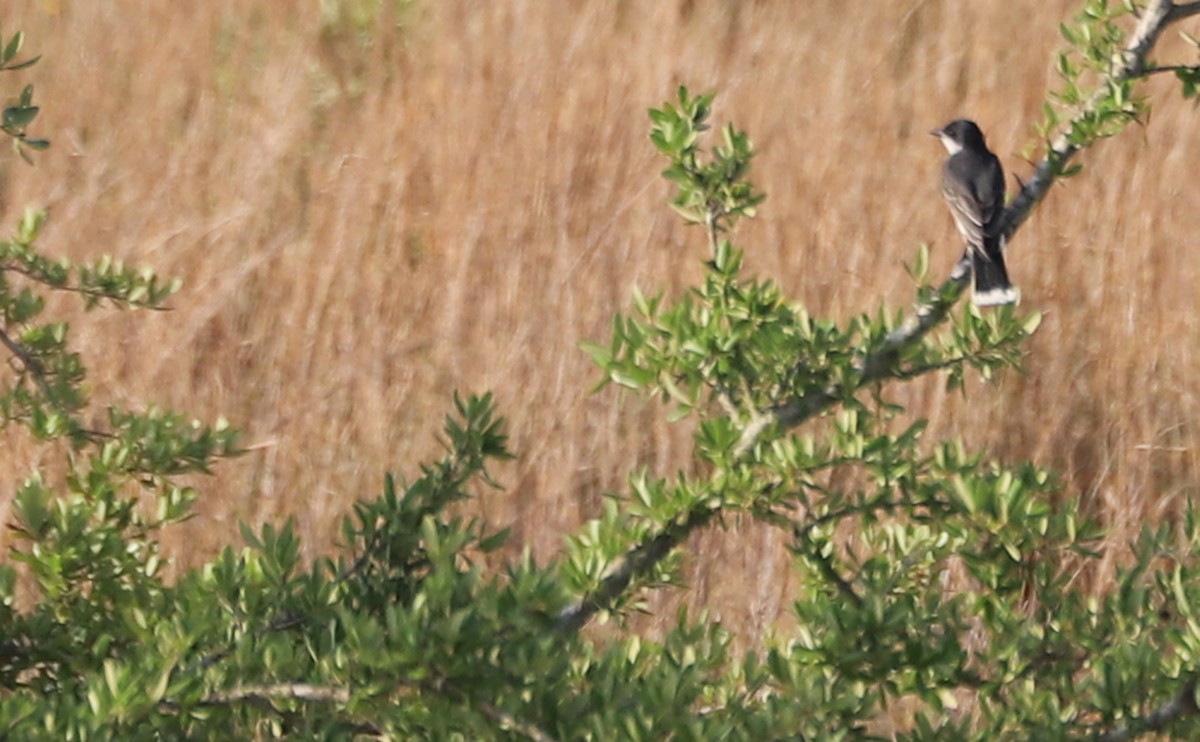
[[992, 286]]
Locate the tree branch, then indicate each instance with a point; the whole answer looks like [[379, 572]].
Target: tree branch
[[1182, 704], [32, 365], [281, 691], [84, 291], [1171, 68], [507, 721], [1179, 11], [267, 694], [637, 561], [1129, 65], [872, 367]]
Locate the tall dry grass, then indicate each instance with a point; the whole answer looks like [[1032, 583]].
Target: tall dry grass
[[363, 229]]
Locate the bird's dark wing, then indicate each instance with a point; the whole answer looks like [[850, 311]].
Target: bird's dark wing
[[990, 191], [974, 190], [965, 207]]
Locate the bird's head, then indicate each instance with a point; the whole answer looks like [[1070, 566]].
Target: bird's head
[[960, 134]]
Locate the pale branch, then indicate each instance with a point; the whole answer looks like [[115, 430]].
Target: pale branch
[[871, 368], [270, 693], [637, 562], [1129, 65], [281, 691]]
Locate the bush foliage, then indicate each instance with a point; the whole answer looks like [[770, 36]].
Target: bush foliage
[[938, 590]]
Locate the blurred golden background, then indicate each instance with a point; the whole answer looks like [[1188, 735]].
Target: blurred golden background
[[373, 203]]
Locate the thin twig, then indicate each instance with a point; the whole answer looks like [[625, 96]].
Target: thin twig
[[94, 294], [32, 365], [1131, 64], [1171, 68]]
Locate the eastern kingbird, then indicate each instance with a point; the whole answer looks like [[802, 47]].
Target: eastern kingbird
[[973, 185]]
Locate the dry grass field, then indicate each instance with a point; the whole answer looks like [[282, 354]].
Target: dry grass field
[[454, 194]]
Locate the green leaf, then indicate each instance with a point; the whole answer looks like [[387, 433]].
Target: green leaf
[[601, 355], [22, 65], [632, 378], [1031, 323], [13, 48], [495, 541], [16, 119], [31, 506], [919, 269]]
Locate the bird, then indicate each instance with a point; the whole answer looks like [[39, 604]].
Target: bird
[[973, 186]]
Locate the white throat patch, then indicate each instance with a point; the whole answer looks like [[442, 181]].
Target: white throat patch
[[951, 146]]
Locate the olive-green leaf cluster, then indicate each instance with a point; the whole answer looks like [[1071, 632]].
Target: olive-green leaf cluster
[[16, 117], [1098, 96], [1096, 38], [935, 594]]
